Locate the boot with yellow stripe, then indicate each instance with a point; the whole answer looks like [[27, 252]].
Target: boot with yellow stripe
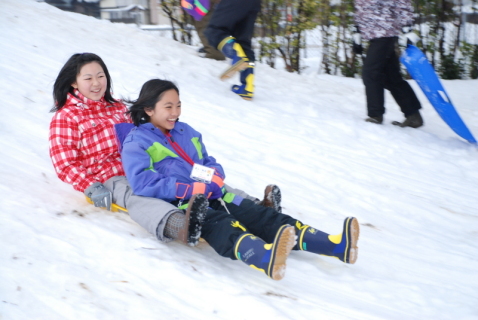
[[234, 51], [246, 89], [342, 246], [269, 258]]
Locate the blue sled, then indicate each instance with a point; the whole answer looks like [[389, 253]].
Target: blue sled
[[422, 71]]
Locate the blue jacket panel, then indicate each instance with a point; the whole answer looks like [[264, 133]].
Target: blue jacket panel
[[152, 165]]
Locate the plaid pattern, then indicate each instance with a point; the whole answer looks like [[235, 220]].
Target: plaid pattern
[[382, 18], [83, 145]]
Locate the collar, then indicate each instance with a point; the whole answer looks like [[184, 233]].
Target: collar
[[81, 101], [178, 129]]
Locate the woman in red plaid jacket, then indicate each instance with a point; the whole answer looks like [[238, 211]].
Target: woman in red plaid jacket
[[85, 153]]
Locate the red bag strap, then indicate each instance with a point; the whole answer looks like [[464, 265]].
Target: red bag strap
[[179, 150]]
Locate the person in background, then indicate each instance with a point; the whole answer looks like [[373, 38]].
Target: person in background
[[167, 159], [85, 153], [207, 51], [230, 30], [381, 22]]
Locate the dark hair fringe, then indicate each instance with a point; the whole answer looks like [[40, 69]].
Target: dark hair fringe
[[67, 77], [151, 92]]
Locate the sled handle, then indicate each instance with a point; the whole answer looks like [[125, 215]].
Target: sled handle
[[114, 206], [444, 96]]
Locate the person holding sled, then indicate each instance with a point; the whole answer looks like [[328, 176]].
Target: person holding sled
[[85, 153], [381, 22], [167, 159]]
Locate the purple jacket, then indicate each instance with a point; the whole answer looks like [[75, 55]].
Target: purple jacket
[[196, 8], [382, 18], [153, 167]]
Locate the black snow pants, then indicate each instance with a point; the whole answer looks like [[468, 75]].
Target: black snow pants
[[221, 229], [381, 70], [234, 18]]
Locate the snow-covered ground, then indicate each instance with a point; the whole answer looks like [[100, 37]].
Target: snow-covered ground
[[415, 192]]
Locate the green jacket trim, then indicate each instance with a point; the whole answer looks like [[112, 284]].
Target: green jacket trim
[[198, 145], [157, 153]]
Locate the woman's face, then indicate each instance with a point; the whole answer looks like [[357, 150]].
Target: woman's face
[[91, 81], [166, 111]]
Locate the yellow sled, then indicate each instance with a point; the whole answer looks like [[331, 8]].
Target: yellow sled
[[117, 208], [114, 207]]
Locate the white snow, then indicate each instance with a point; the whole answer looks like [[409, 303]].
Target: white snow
[[414, 192]]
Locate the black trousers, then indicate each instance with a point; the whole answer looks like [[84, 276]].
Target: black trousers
[[221, 230], [234, 18], [381, 70]]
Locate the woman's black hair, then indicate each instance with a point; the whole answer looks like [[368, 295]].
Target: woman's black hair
[[151, 92], [67, 77]]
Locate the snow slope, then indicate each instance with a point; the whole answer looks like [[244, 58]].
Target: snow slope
[[415, 192]]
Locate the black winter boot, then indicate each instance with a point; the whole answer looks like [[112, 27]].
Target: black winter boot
[[414, 121], [186, 226], [376, 120]]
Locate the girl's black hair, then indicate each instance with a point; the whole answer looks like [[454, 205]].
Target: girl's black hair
[[67, 77], [151, 92]]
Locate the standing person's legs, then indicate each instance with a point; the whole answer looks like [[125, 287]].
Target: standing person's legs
[[373, 76], [211, 51], [400, 89], [242, 34], [244, 29], [224, 19], [219, 34]]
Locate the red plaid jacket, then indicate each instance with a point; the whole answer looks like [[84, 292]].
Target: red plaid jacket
[[83, 145]]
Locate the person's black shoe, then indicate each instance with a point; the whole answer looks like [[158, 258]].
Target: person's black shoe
[[413, 121], [202, 52], [376, 120]]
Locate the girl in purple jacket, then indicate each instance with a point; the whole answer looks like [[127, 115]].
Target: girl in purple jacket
[[166, 159]]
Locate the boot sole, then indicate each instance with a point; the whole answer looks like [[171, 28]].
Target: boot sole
[[352, 231], [246, 98], [283, 244], [195, 214], [410, 125], [239, 66], [272, 198]]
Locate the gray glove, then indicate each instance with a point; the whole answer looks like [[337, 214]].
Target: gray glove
[[100, 196]]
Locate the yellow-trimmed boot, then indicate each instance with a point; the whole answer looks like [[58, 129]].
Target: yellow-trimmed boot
[[234, 51], [342, 246], [269, 258], [246, 89]]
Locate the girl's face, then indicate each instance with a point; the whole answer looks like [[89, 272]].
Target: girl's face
[[91, 81], [166, 111]]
